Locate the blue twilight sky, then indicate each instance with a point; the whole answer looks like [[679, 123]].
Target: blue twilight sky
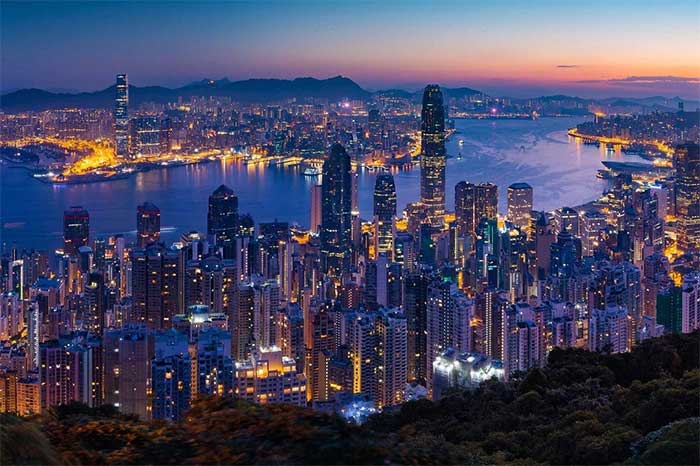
[[519, 48]]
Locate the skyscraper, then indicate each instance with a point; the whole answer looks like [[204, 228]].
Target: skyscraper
[[145, 136], [316, 198], [687, 164], [375, 127], [156, 284], [485, 202], [433, 155], [147, 224], [222, 219], [473, 203], [384, 213], [448, 316], [567, 219], [336, 216], [76, 229], [520, 205], [121, 116], [465, 195]]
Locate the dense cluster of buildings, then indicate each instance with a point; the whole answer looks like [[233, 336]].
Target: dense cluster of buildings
[[358, 313], [661, 129]]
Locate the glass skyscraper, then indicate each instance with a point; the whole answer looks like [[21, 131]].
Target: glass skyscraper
[[433, 155], [384, 213], [121, 116], [336, 212], [222, 219]]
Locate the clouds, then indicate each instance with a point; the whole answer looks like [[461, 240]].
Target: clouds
[[665, 85], [644, 80]]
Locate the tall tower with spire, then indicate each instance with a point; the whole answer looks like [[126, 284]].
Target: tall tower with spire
[[433, 155]]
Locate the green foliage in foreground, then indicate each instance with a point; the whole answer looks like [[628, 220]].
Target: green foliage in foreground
[[583, 408]]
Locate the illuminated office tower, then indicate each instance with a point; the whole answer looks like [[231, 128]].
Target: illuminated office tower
[[269, 377], [147, 224], [121, 116], [566, 219], [336, 205], [156, 282], [222, 219], [687, 164], [145, 136], [485, 202], [355, 221], [465, 196], [384, 213], [316, 198], [686, 161], [76, 230], [520, 205], [433, 155]]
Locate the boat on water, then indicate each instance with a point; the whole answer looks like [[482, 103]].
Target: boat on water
[[311, 171], [461, 142]]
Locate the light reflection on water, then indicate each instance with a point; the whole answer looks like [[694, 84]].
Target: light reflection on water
[[560, 169]]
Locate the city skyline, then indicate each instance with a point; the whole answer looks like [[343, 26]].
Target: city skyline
[[558, 47], [304, 271]]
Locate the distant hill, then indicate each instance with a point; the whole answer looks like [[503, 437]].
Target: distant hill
[[250, 90], [301, 89]]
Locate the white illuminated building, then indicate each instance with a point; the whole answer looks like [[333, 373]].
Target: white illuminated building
[[463, 370]]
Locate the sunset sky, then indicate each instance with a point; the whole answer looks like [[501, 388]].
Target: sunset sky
[[588, 48]]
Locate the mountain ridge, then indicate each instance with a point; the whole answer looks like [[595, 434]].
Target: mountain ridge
[[264, 90], [270, 90]]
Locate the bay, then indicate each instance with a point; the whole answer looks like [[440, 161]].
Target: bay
[[560, 169]]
